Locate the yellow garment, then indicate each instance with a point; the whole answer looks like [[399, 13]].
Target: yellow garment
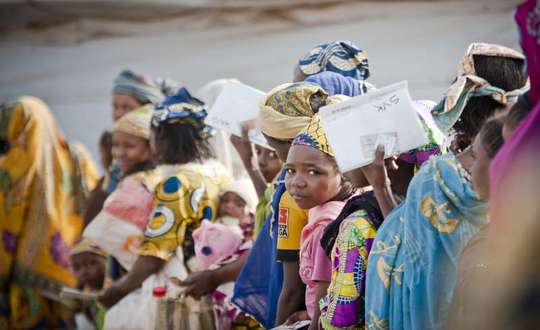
[[43, 186], [314, 136], [181, 202], [286, 109], [292, 220], [136, 122]]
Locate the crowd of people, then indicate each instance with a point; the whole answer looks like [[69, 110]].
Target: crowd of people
[[172, 237]]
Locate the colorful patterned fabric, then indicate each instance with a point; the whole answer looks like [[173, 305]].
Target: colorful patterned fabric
[[468, 85], [142, 87], [337, 84], [181, 202], [343, 307], [287, 109], [135, 123], [339, 56], [413, 261], [119, 226], [314, 136], [436, 138], [293, 100], [44, 183], [183, 108]]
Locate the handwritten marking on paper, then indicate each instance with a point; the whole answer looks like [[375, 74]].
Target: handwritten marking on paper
[[387, 103]]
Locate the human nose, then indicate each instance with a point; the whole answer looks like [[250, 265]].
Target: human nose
[[298, 181]]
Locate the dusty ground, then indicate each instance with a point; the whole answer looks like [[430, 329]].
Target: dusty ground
[[69, 55]]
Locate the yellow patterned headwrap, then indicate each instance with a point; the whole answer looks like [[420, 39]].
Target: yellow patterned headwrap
[[136, 122], [286, 109], [314, 136]]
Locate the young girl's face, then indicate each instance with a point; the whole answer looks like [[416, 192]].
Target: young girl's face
[[232, 205], [268, 161], [311, 177], [480, 169], [89, 269], [123, 104], [129, 150]]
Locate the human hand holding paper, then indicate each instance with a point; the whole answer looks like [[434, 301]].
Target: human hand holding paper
[[386, 116]]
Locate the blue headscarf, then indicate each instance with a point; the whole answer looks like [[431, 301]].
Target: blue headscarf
[[412, 265], [336, 84], [257, 288], [339, 56], [182, 107]]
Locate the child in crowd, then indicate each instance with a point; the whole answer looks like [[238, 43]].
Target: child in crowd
[[262, 176], [237, 207], [217, 245], [89, 263], [314, 181]]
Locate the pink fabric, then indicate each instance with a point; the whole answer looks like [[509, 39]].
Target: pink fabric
[[528, 20], [214, 242], [130, 202], [525, 141], [315, 266]]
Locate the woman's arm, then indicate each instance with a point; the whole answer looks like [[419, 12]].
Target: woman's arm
[[142, 269], [245, 150], [378, 178], [199, 284], [291, 298], [322, 288]]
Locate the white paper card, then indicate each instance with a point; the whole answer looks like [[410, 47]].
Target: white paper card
[[235, 104], [70, 293], [386, 116], [294, 326]]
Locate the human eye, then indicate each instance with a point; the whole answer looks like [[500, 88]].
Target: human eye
[[289, 171], [313, 172]]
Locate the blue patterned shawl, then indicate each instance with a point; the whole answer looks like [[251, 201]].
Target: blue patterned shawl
[[412, 265]]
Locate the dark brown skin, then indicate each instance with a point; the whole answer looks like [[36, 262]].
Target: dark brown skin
[[89, 269], [378, 178], [95, 202], [291, 298], [199, 284], [142, 269]]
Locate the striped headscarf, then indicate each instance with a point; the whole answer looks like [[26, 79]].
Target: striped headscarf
[[142, 87], [339, 56]]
